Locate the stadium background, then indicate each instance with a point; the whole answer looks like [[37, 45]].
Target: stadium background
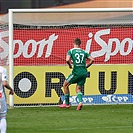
[[23, 96], [6, 4], [101, 119]]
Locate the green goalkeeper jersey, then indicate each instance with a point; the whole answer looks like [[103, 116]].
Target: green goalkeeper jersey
[[78, 57]]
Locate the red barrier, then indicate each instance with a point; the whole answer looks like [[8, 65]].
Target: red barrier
[[49, 46]]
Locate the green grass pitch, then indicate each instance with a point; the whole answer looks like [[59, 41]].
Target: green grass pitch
[[91, 119]]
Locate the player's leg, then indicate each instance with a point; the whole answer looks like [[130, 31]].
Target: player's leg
[[69, 80], [79, 95], [3, 124], [80, 82], [3, 112], [66, 94]]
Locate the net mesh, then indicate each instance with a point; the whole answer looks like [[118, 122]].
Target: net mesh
[[115, 39], [41, 41]]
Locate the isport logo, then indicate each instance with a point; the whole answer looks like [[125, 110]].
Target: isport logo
[[116, 98], [109, 47], [27, 49], [37, 47]]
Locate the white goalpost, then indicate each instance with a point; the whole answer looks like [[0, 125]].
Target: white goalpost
[[39, 40], [11, 65]]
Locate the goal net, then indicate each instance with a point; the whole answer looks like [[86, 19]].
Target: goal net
[[40, 38]]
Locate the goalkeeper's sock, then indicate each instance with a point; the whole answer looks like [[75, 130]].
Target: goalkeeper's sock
[[67, 98], [80, 97]]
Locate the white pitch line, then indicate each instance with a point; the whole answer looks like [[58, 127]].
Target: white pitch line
[[115, 127]]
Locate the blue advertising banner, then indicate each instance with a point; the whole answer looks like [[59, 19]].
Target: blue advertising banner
[[102, 99]]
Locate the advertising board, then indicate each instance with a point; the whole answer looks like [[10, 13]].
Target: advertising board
[[43, 84], [40, 66]]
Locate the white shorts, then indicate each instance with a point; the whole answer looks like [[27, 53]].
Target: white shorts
[[3, 108]]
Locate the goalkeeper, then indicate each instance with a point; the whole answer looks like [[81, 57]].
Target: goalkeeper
[[78, 57]]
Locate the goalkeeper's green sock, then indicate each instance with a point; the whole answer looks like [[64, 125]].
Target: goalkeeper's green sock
[[80, 97], [67, 98]]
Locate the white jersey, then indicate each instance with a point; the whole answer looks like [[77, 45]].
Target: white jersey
[[3, 104], [3, 77]]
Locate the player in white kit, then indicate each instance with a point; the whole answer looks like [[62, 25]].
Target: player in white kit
[[3, 104]]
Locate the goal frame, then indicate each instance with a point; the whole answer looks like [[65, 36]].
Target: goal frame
[[49, 10]]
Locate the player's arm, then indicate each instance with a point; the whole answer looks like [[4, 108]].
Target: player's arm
[[5, 84], [68, 61], [91, 61]]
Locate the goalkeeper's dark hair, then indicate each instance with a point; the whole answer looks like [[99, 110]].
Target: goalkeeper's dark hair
[[77, 41]]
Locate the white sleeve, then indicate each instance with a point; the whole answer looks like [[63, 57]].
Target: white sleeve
[[4, 75]]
